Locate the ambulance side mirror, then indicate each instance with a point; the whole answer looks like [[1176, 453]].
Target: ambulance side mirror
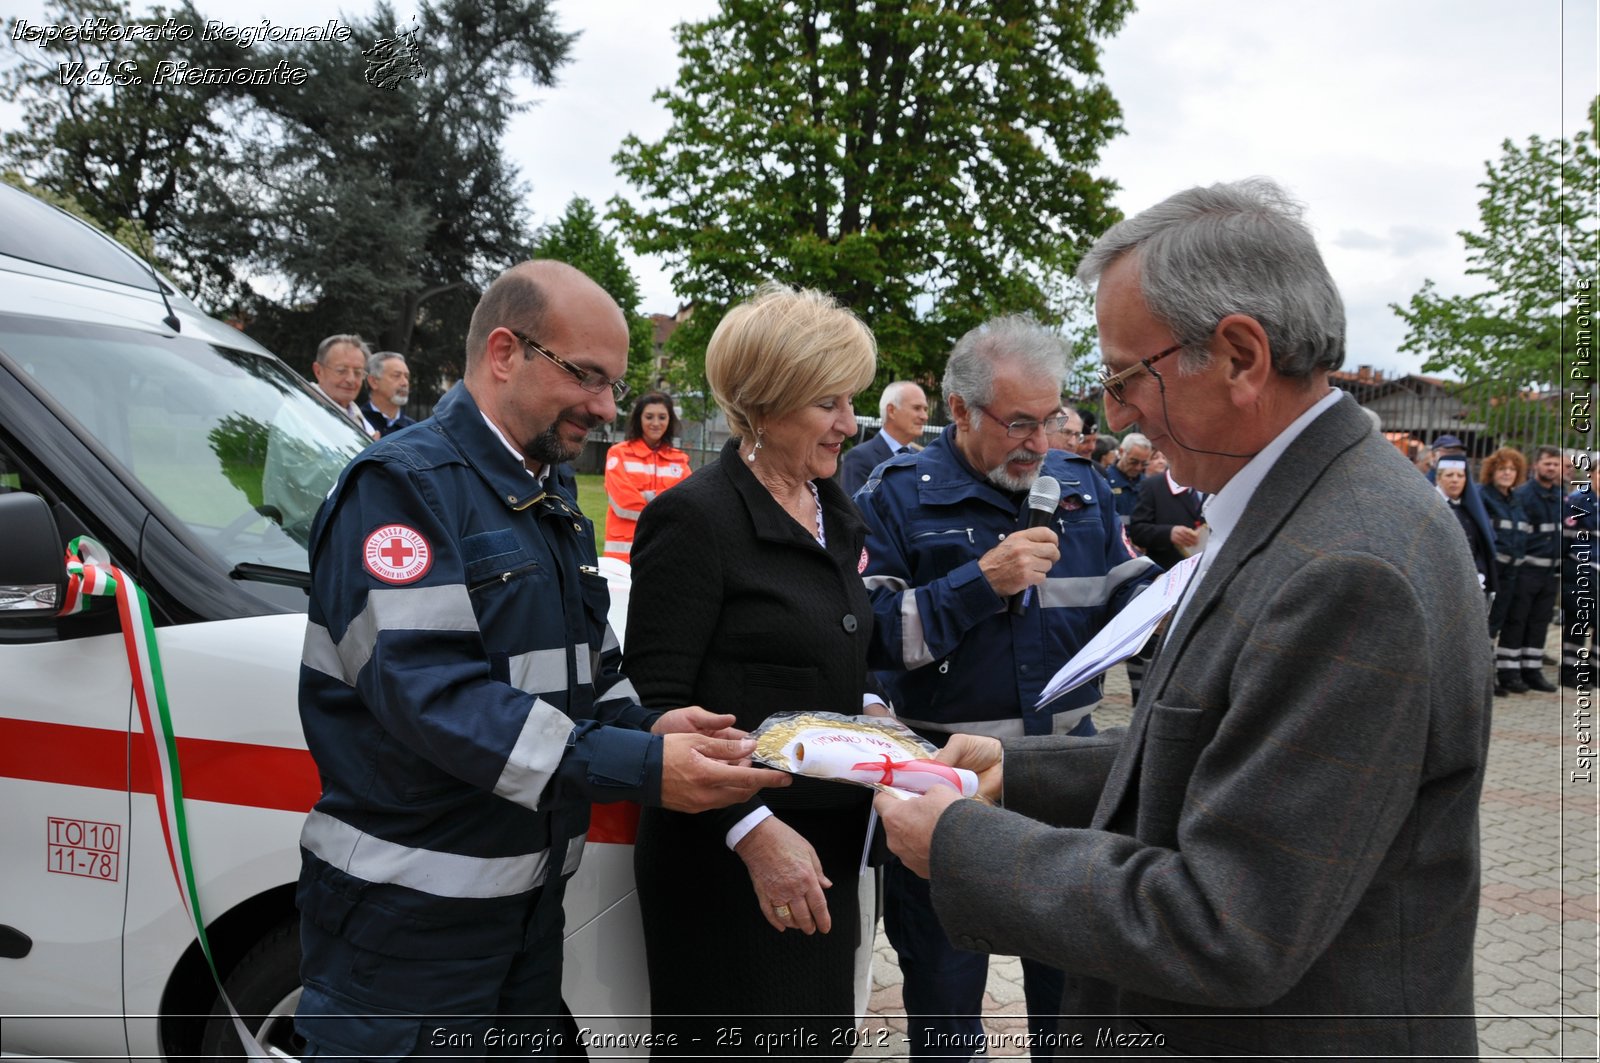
[[33, 573]]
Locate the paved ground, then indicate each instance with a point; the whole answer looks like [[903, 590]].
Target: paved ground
[[1537, 942]]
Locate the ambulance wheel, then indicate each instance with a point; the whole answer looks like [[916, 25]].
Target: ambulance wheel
[[265, 987]]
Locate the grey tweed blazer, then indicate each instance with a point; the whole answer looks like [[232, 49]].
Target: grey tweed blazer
[[1279, 857]]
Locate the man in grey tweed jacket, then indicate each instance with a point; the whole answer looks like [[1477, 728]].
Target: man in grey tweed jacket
[[1279, 857]]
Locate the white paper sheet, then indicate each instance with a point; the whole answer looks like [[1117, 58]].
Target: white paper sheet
[[1126, 634]]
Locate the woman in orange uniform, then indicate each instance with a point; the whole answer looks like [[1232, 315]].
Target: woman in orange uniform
[[642, 466]]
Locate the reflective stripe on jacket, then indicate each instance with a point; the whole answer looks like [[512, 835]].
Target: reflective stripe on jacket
[[635, 474], [955, 655], [456, 688]]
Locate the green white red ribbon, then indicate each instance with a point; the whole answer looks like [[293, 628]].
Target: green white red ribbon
[[91, 574]]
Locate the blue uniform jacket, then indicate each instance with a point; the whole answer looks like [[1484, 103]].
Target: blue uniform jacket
[[1543, 506], [1510, 523], [1124, 492], [955, 658], [456, 689]]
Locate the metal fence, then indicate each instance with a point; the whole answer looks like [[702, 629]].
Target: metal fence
[[1484, 414], [1412, 410]]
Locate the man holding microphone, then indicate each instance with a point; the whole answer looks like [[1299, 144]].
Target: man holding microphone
[[952, 547]]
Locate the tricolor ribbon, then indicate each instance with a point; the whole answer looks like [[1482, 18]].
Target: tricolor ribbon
[[91, 574]]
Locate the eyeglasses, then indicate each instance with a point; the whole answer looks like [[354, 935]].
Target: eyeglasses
[[1111, 383], [344, 371], [1072, 437], [588, 379], [1024, 429]]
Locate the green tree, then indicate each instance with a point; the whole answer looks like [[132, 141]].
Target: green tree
[[387, 205], [1537, 245], [369, 191], [579, 239], [100, 132], [927, 163]]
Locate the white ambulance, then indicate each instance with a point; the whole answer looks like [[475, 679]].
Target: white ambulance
[[197, 458]]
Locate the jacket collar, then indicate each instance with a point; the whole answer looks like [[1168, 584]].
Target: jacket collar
[[770, 521], [948, 479], [1294, 474], [459, 417]]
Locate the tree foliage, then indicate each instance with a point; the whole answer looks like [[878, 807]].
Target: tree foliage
[[387, 207], [579, 239], [1538, 243], [372, 204], [125, 151], [927, 163]]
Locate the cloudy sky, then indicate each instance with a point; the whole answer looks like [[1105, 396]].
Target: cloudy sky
[[1377, 114]]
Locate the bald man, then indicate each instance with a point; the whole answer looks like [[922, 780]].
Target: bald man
[[461, 696]]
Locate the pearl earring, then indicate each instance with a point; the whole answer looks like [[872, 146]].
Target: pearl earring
[[752, 456]]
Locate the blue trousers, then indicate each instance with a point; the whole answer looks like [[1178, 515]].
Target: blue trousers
[[361, 1005], [943, 984]]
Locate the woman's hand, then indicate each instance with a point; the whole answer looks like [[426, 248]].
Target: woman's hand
[[692, 719], [787, 877]]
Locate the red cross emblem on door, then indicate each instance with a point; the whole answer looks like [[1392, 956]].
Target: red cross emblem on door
[[397, 554]]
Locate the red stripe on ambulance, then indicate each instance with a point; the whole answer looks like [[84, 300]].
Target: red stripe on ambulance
[[230, 773]]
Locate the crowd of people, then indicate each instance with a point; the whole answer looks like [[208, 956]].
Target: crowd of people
[[1279, 854]]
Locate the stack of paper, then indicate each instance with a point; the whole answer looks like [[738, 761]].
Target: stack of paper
[[1127, 632]]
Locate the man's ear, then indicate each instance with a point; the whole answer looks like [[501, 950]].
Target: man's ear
[[1243, 346], [958, 409], [502, 348]]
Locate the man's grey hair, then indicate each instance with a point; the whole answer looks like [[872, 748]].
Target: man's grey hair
[[344, 337], [1236, 248], [893, 395], [1016, 340], [375, 363], [1135, 439]]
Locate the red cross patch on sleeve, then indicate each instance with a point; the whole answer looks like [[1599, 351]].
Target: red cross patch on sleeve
[[397, 554]]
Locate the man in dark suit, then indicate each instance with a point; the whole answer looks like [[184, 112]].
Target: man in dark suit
[[1166, 520], [903, 408], [388, 391], [1280, 855]]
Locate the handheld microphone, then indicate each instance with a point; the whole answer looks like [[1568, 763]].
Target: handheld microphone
[[1042, 503]]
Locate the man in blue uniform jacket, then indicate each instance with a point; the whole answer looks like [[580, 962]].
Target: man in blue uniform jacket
[[948, 545], [461, 696], [1127, 474]]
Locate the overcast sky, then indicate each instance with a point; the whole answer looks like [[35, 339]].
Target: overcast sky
[[1377, 114]]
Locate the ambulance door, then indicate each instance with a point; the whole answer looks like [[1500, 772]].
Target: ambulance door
[[64, 723]]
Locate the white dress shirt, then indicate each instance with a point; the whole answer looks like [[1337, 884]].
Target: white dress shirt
[[1226, 508]]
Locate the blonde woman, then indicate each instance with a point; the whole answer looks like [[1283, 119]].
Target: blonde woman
[[747, 599]]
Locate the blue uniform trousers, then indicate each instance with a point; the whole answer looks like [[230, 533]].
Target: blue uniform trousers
[[1500, 608], [358, 1004], [1528, 621], [942, 985]]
